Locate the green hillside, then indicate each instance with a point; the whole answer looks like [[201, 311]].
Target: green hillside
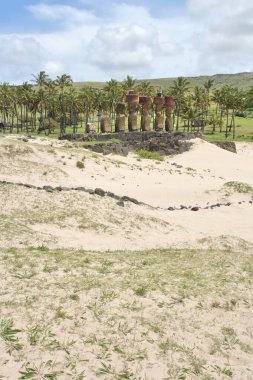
[[240, 80]]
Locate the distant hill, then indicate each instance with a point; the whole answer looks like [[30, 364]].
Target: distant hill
[[240, 80]]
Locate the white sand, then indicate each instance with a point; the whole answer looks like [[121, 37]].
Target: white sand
[[194, 318], [199, 182]]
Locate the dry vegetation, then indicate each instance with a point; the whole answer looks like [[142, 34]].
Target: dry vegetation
[[162, 314]]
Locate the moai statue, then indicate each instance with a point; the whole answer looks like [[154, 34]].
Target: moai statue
[[91, 128], [169, 107], [146, 103], [159, 119], [132, 99], [120, 117], [105, 126]]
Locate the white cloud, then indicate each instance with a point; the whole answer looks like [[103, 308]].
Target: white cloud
[[20, 50], [119, 49], [211, 36], [66, 14], [226, 41]]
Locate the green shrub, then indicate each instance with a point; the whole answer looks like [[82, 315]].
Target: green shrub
[[239, 187], [80, 164], [142, 153]]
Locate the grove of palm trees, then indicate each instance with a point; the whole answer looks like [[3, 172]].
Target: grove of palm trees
[[56, 107]]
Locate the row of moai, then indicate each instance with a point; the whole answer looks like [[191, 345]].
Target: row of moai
[[161, 104]]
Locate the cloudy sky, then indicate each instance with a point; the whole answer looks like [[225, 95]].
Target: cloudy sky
[[102, 39]]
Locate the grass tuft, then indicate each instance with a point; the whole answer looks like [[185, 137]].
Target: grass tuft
[[145, 154]]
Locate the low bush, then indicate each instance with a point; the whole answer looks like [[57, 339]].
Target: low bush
[[80, 164], [145, 154]]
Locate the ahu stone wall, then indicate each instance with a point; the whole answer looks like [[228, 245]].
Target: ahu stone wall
[[161, 142]]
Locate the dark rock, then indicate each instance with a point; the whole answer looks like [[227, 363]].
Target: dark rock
[[29, 186], [100, 192], [109, 194], [171, 208], [195, 208], [120, 203], [129, 199], [227, 145], [90, 191], [124, 151], [25, 140], [155, 141], [48, 189], [97, 148], [80, 188]]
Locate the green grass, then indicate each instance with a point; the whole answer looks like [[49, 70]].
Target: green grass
[[145, 154], [239, 187], [241, 80], [243, 131]]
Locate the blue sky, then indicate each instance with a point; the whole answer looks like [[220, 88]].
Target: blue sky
[[99, 40], [15, 16]]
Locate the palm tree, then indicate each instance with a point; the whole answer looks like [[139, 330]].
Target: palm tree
[[178, 90], [63, 82], [249, 97], [207, 86], [237, 103], [4, 101], [87, 95], [114, 95], [145, 88], [41, 80], [128, 84], [200, 103], [25, 92], [217, 97], [191, 116]]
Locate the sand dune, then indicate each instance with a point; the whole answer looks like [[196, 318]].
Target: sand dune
[[194, 178], [89, 288]]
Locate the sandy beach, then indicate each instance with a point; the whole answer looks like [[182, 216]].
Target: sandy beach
[[202, 177], [97, 287]]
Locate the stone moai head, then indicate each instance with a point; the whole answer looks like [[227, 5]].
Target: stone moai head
[[132, 99], [105, 124], [159, 104], [169, 107], [169, 103], [120, 117], [146, 103], [120, 108]]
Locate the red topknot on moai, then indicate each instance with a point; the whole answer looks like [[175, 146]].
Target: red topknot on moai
[[132, 99]]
